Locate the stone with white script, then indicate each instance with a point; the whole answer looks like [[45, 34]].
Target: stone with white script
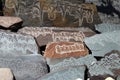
[[8, 21], [45, 35], [28, 10], [30, 67], [65, 49], [6, 74], [104, 27], [57, 64], [101, 44], [110, 64], [14, 44]]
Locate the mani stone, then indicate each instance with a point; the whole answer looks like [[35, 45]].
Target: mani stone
[[70, 73], [65, 49], [107, 27], [28, 10], [14, 44], [110, 64], [29, 67], [10, 22], [45, 35], [6, 74], [56, 13], [101, 44]]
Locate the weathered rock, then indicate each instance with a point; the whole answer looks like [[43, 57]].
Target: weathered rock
[[10, 22], [28, 10], [68, 14], [65, 13], [13, 44], [110, 64], [70, 73], [45, 35], [6, 74], [101, 44], [61, 63], [104, 27], [108, 10], [65, 49], [30, 67]]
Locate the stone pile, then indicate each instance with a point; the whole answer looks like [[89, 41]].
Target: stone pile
[[71, 44]]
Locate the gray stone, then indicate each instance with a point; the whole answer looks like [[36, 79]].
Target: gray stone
[[104, 27], [6, 74], [30, 67], [13, 44], [56, 64], [110, 64], [101, 44], [71, 73]]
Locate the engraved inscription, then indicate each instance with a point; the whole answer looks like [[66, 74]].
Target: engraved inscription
[[67, 36], [69, 48]]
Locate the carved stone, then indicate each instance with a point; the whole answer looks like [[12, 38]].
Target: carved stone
[[110, 64], [57, 13], [6, 74], [44, 35], [65, 49], [30, 67], [13, 44]]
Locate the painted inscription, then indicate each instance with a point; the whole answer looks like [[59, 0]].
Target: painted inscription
[[62, 49]]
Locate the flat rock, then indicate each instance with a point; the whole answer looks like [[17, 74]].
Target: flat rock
[[45, 35], [8, 22], [61, 63], [71, 73], [105, 27], [13, 44], [65, 49], [30, 67], [101, 44], [110, 64], [6, 74], [28, 10], [65, 13]]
